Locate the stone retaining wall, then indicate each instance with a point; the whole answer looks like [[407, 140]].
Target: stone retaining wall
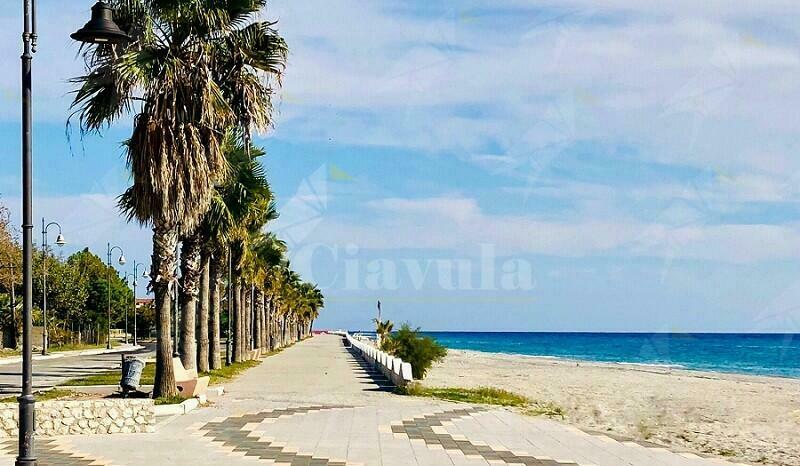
[[83, 417]]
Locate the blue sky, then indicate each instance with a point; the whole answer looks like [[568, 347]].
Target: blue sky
[[507, 165]]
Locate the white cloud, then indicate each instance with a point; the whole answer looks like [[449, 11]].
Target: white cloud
[[682, 82], [454, 223], [685, 82], [450, 208]]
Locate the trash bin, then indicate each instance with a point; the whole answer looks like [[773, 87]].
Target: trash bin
[[132, 368]]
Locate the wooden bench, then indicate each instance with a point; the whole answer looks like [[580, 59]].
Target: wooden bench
[[189, 384]]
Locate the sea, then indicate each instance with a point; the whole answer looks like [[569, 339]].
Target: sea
[[740, 353]]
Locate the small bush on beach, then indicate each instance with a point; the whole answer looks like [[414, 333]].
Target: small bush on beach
[[548, 409], [420, 351]]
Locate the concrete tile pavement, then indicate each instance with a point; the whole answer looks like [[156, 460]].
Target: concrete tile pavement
[[313, 404]]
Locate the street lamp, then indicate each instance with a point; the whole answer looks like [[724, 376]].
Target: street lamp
[[133, 277], [102, 29], [121, 261], [60, 242]]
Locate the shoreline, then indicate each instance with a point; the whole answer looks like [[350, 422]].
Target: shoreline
[[666, 368], [745, 417]]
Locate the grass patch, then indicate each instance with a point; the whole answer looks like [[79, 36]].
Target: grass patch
[[76, 347], [46, 395], [170, 400], [481, 395], [486, 396], [226, 373], [112, 378], [9, 352]]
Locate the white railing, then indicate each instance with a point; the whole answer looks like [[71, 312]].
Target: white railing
[[395, 369]]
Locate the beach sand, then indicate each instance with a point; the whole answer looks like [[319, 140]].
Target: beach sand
[[745, 418]]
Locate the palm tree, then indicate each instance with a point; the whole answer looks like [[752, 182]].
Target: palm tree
[[242, 191], [267, 252], [383, 330], [192, 70], [313, 302], [237, 200], [244, 238]]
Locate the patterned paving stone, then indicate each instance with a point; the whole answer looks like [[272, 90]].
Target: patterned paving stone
[[429, 429], [235, 435], [50, 453]]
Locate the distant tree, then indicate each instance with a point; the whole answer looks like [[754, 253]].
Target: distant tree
[[145, 319], [91, 270], [10, 279], [67, 296]]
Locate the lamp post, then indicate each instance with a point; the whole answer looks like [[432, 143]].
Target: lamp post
[[100, 29], [133, 279], [144, 275], [60, 242], [108, 277]]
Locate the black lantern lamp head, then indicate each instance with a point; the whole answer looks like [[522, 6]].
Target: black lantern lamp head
[[101, 29]]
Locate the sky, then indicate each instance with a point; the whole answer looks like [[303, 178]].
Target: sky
[[570, 165]]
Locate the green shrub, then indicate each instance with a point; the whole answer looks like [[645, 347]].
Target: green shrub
[[420, 351]]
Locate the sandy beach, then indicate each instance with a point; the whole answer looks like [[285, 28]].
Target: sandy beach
[[746, 418]]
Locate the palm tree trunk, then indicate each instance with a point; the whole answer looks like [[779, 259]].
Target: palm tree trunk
[[283, 330], [190, 270], [202, 313], [248, 320], [237, 321], [215, 322], [165, 239], [263, 316], [259, 301], [252, 315], [268, 317], [276, 342]]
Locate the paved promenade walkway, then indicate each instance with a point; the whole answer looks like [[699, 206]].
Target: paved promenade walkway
[[315, 405]]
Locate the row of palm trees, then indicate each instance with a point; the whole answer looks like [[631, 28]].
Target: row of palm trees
[[198, 76], [270, 305]]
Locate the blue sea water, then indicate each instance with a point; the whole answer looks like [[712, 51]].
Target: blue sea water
[[757, 354]]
